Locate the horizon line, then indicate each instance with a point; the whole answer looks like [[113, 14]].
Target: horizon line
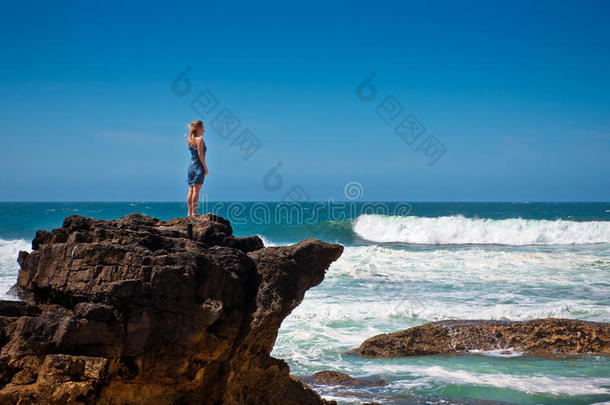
[[313, 201]]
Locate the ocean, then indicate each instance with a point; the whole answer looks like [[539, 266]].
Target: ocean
[[406, 264]]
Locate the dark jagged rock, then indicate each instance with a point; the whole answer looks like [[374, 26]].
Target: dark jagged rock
[[143, 311], [549, 335], [330, 377]]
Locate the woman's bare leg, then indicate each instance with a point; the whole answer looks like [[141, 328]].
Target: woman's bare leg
[[197, 188], [189, 200]]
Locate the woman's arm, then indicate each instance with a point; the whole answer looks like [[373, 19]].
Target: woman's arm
[[201, 155]]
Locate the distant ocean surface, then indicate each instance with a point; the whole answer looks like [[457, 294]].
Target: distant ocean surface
[[407, 265]]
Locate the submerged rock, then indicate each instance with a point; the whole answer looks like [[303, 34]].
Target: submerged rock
[[143, 311], [330, 377], [549, 335]]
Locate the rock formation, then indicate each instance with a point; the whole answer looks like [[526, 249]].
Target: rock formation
[[143, 311], [331, 377], [544, 336]]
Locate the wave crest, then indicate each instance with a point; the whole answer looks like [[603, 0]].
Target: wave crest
[[9, 250], [460, 230]]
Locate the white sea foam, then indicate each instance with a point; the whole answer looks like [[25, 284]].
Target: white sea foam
[[373, 289], [266, 241], [471, 264], [461, 230], [348, 322], [472, 283], [503, 353], [554, 385], [9, 250], [379, 289]]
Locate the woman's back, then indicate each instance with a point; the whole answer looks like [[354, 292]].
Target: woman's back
[[195, 153]]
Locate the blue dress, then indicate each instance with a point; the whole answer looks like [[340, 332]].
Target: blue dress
[[196, 171]]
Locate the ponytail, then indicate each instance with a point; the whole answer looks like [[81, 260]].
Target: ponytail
[[192, 135]]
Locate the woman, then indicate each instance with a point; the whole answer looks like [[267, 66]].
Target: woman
[[198, 168]]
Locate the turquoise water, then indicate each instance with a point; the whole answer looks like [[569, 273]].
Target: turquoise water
[[407, 264]]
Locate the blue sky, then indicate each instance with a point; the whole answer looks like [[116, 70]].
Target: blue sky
[[518, 94]]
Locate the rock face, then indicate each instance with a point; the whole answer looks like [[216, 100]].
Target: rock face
[[142, 311], [550, 335]]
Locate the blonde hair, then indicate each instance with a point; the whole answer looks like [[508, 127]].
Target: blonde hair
[[192, 135]]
